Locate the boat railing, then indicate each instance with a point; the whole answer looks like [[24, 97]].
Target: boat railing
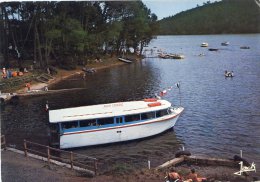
[[67, 157]]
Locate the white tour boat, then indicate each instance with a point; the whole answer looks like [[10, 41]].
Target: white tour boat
[[114, 122]]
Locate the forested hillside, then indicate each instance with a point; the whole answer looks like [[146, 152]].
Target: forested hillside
[[68, 32], [226, 16]]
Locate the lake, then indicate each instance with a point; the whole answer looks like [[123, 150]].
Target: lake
[[221, 117]]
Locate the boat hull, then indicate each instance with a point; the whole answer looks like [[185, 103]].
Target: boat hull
[[119, 133], [124, 60]]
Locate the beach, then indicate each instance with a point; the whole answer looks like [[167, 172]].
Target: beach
[[64, 74]]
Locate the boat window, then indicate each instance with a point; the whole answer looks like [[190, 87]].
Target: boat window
[[161, 113], [105, 121], [134, 117], [119, 120], [68, 125], [85, 123], [148, 115]]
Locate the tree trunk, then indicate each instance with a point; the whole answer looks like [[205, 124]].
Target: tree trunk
[[5, 38], [39, 48], [141, 48], [47, 51], [35, 45]]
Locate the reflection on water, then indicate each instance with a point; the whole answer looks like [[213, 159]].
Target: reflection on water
[[221, 115]]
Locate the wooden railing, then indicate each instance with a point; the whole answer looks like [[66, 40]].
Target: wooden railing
[[3, 142], [71, 158]]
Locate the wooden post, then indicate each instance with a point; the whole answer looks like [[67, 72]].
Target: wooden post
[[48, 153], [25, 147], [71, 160], [95, 166]]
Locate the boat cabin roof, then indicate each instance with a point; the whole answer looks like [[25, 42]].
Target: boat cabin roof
[[106, 110]]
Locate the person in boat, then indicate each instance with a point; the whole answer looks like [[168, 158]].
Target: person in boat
[[229, 73], [232, 74], [193, 177], [226, 73]]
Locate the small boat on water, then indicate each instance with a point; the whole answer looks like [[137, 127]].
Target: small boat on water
[[244, 47], [113, 122], [125, 60], [229, 74], [171, 56], [225, 43], [177, 56], [201, 54], [89, 70], [213, 49], [204, 44], [164, 56]]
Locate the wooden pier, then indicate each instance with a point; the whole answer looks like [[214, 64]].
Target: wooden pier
[[195, 160], [43, 92]]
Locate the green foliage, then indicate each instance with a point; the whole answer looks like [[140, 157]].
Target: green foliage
[[227, 16], [68, 31], [53, 34]]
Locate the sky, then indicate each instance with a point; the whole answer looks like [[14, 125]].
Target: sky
[[165, 8]]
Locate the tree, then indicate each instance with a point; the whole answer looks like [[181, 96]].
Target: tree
[[68, 31]]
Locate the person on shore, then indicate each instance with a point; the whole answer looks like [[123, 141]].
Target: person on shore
[[28, 85], [4, 74], [173, 176], [193, 177], [84, 76]]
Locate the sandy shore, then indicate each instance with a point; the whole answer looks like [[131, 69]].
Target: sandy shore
[[65, 74]]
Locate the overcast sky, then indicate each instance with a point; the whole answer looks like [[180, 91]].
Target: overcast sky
[[165, 8]]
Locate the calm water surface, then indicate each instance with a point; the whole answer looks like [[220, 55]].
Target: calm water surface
[[222, 116]]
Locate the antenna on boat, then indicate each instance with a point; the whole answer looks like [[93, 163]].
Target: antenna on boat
[[179, 87]]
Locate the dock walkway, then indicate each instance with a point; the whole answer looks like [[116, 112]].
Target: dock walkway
[[15, 166]]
